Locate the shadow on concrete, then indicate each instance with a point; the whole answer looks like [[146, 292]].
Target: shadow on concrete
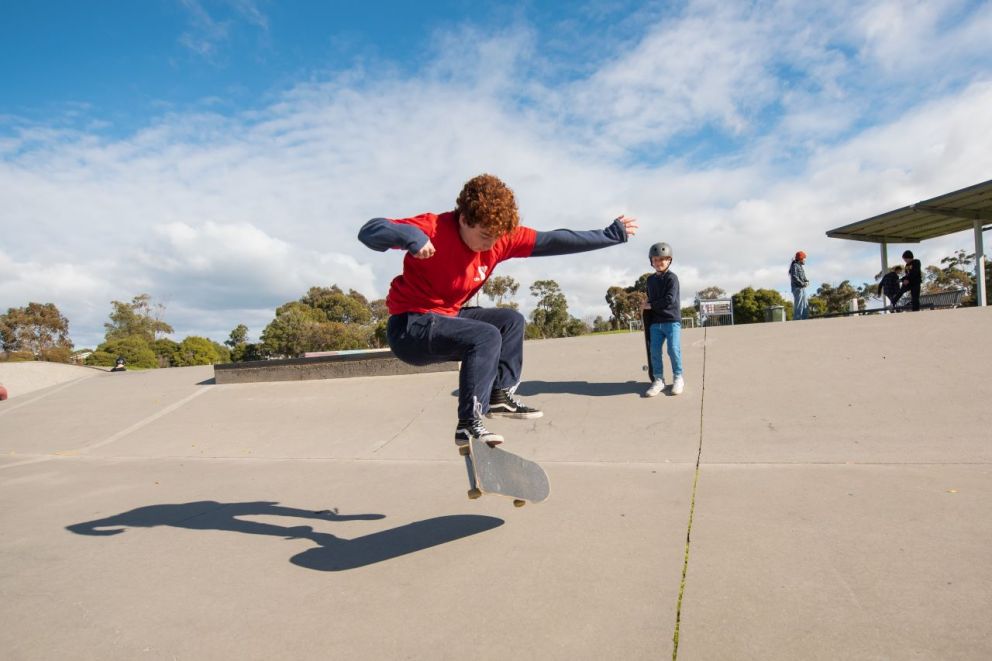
[[528, 388], [332, 553]]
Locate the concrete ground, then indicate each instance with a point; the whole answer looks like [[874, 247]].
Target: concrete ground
[[820, 491]]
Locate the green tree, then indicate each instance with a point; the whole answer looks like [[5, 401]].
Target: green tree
[[291, 332], [380, 319], [335, 336], [350, 308], [195, 350], [710, 293], [550, 318], [829, 299], [135, 350], [576, 327], [641, 284], [237, 341], [324, 319], [139, 317], [955, 272], [625, 305], [499, 287], [165, 351], [600, 325], [248, 352], [39, 329], [237, 337], [749, 304]]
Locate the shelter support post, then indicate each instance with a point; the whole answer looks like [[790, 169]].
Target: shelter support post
[[885, 257], [979, 264]]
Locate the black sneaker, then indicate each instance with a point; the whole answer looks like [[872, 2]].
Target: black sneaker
[[503, 402], [469, 429]]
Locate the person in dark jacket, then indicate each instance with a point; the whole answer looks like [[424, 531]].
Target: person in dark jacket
[[913, 279], [799, 281], [666, 319], [890, 286], [448, 258]]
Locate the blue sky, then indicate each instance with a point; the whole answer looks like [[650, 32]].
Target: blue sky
[[221, 155]]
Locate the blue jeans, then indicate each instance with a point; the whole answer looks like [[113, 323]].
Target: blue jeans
[[671, 331], [489, 342], [800, 306]]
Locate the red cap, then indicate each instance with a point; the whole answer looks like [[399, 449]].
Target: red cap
[[800, 255]]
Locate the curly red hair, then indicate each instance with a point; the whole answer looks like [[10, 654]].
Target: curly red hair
[[485, 200]]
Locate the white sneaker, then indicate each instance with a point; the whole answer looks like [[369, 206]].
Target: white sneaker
[[656, 387], [678, 385]]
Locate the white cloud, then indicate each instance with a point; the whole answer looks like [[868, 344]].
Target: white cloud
[[224, 218]]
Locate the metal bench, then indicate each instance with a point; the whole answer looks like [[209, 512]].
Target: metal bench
[[941, 299]]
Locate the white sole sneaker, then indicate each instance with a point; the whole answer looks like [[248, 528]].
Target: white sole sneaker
[[655, 389]]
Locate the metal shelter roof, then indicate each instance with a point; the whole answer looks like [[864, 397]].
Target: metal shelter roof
[[944, 214]]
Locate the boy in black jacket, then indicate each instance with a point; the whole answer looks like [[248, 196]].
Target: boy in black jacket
[[666, 319], [890, 285], [913, 279]]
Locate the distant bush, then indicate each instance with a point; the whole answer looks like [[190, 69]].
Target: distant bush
[[100, 359], [57, 355], [16, 356]]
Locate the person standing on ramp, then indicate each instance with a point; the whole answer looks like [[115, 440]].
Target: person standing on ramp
[[799, 282], [665, 321]]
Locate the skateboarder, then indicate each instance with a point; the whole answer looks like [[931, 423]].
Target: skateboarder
[[449, 256], [665, 319]]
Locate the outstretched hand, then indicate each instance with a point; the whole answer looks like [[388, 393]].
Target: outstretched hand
[[629, 225]]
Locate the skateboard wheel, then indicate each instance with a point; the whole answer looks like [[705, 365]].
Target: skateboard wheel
[[474, 493], [519, 503], [464, 451]]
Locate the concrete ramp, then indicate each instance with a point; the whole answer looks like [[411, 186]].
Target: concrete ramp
[[820, 491], [20, 379]]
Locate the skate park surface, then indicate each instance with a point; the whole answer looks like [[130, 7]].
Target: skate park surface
[[820, 491]]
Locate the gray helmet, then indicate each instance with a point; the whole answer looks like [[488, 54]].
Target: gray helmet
[[660, 250]]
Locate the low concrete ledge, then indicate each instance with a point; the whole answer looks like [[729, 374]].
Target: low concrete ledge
[[329, 366]]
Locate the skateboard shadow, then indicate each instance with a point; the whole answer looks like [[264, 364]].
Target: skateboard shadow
[[332, 553], [529, 388]]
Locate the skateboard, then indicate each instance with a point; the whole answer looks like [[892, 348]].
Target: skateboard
[[491, 470], [646, 323]]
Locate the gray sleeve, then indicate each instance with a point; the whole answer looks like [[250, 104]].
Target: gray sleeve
[[565, 242], [382, 234]]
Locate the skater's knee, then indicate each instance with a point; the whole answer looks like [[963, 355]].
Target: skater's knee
[[487, 339], [516, 320]]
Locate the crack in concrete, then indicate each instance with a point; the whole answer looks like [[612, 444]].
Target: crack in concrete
[[415, 417], [692, 507]]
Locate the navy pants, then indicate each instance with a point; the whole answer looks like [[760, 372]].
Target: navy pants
[[914, 293], [489, 342]]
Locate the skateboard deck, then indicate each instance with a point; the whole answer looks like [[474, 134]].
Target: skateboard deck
[[491, 470], [646, 323]]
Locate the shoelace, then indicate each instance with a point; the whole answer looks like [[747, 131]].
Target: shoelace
[[478, 429], [512, 399]]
